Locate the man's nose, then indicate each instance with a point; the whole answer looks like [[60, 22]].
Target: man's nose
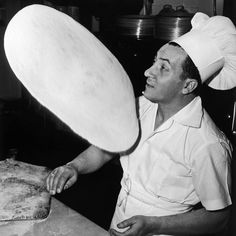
[[148, 72]]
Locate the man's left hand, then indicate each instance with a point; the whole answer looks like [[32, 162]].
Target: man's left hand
[[137, 226]]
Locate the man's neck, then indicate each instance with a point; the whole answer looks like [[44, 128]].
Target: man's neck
[[165, 111]]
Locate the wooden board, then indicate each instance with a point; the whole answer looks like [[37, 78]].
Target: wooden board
[[62, 221], [23, 193]]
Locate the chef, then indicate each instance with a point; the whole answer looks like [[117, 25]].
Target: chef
[[182, 159]]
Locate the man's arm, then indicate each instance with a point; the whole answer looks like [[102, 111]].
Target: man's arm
[[91, 160], [197, 222]]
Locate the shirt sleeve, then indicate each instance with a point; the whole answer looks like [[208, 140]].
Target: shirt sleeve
[[211, 173]]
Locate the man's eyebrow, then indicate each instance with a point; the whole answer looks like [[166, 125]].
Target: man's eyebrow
[[165, 59]]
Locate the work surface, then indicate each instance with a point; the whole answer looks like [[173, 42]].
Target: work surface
[[62, 221]]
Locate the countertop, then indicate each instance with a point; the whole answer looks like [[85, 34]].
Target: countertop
[[62, 221]]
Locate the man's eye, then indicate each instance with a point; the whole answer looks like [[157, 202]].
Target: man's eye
[[163, 67]]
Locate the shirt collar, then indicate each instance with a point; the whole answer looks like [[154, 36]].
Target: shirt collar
[[191, 114]]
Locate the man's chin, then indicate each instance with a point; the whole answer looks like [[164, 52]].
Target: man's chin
[[146, 94], [149, 95]]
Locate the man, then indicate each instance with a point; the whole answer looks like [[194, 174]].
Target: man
[[181, 159]]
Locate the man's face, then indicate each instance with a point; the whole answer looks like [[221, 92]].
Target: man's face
[[164, 83]]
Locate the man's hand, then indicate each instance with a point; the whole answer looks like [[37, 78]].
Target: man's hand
[[137, 226], [195, 222], [61, 178], [86, 162]]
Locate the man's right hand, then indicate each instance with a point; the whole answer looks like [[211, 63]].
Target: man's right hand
[[86, 162], [61, 178]]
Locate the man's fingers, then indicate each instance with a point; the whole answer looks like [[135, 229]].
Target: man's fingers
[[47, 183], [122, 225], [65, 179], [60, 178], [70, 182], [113, 232], [126, 223], [50, 181], [54, 179]]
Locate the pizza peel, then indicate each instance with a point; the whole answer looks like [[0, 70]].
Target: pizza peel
[[23, 193], [68, 70]]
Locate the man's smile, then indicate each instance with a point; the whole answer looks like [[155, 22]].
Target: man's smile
[[150, 82]]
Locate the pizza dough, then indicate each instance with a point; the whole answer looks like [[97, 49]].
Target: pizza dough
[[23, 193], [68, 70]]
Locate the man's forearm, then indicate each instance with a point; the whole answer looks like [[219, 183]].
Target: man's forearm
[[192, 223], [91, 160]]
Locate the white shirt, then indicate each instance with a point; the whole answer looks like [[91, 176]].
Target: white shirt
[[184, 161]]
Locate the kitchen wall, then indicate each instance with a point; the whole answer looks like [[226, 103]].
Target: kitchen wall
[[10, 88], [192, 6]]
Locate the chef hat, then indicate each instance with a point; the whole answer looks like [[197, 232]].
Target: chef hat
[[211, 44]]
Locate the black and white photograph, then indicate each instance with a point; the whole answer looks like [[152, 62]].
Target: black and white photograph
[[117, 117]]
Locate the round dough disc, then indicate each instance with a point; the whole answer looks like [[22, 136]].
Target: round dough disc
[[68, 70]]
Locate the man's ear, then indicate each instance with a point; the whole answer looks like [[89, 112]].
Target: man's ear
[[189, 86]]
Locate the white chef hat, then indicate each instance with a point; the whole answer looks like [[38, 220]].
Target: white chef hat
[[211, 44]]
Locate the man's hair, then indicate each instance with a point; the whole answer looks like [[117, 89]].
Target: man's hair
[[189, 69]]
